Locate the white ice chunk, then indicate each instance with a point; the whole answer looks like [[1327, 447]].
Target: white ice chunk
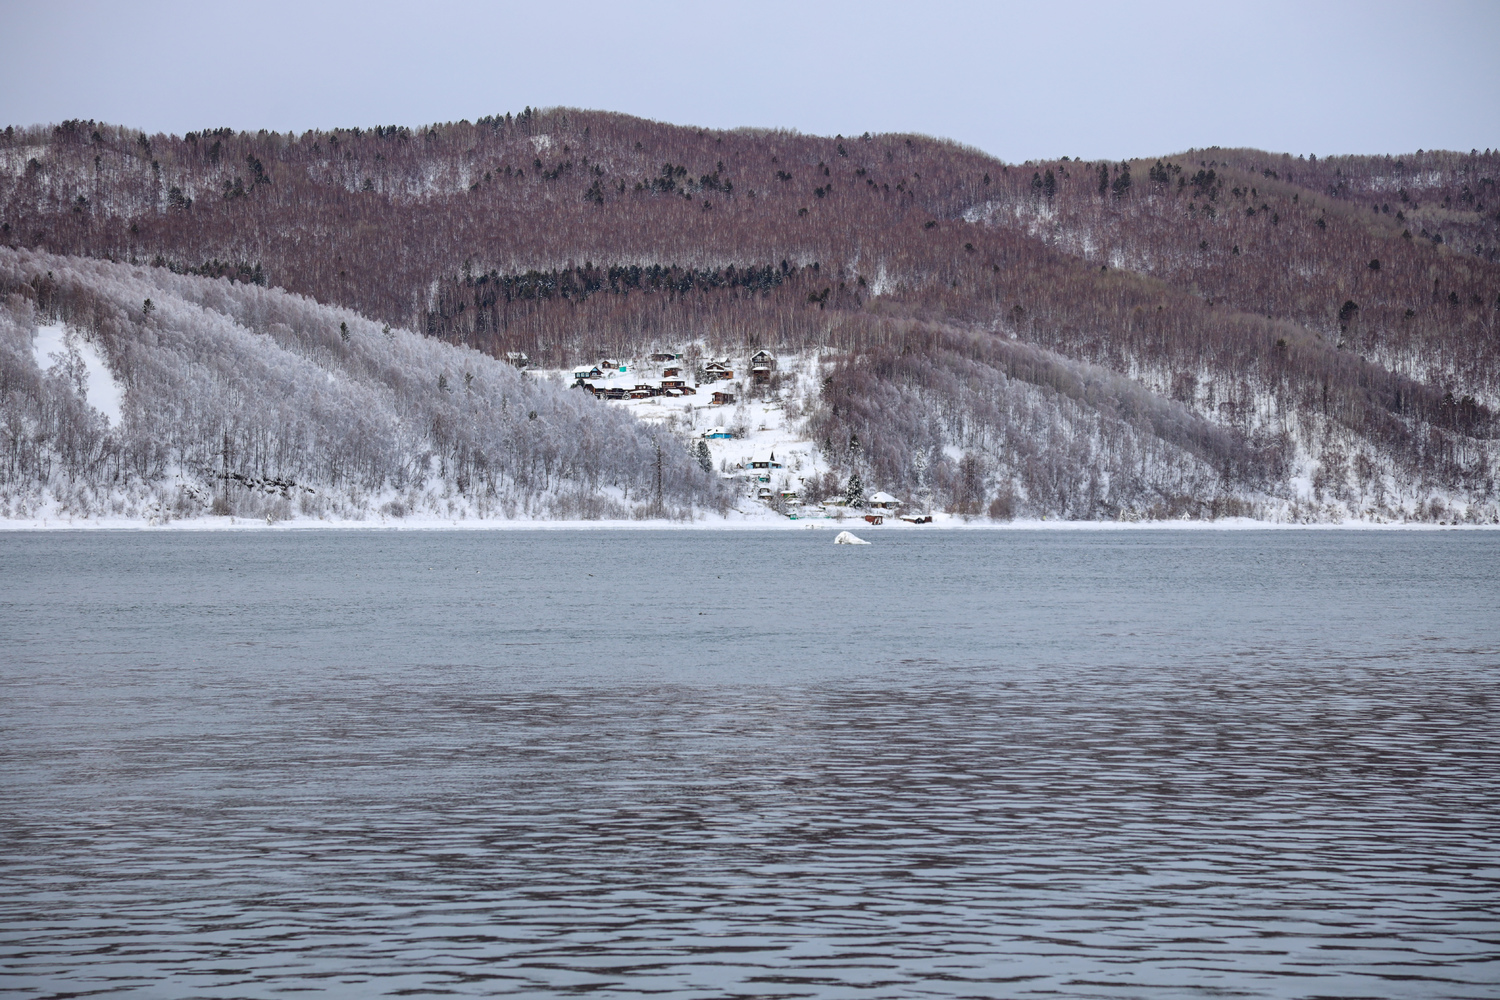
[[849, 538]]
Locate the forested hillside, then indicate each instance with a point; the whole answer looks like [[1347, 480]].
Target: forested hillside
[[1221, 331], [254, 402]]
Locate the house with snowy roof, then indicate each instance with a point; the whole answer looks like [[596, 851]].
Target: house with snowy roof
[[884, 501]]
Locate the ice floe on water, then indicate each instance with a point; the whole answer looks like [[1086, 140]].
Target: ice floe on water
[[849, 538]]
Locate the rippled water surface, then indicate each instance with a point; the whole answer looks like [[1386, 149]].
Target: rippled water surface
[[704, 764]]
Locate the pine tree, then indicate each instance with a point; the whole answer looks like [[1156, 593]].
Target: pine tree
[[854, 493], [705, 459]]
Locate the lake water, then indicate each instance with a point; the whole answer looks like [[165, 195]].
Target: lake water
[[708, 764]]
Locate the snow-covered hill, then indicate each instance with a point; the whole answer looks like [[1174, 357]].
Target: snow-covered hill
[[130, 392]]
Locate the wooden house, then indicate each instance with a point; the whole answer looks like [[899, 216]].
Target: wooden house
[[664, 356], [671, 371], [717, 371], [765, 460], [763, 359], [722, 398], [717, 432], [884, 501]]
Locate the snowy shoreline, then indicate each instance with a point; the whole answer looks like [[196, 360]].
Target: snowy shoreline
[[214, 524]]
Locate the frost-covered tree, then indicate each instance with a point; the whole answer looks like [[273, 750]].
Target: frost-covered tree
[[854, 493]]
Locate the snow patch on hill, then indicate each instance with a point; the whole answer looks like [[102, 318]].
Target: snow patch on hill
[[55, 345]]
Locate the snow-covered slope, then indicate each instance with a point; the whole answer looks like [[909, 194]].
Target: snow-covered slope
[[133, 392]]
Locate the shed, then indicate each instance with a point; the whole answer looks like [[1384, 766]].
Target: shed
[[723, 397]]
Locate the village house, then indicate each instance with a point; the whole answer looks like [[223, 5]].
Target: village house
[[517, 358], [673, 383], [717, 371], [671, 371], [722, 398], [762, 364], [765, 460], [884, 501], [717, 432], [587, 371], [665, 356]]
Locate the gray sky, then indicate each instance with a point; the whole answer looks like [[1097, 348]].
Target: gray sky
[[1025, 80]]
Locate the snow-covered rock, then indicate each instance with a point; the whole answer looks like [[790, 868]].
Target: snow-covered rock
[[849, 538]]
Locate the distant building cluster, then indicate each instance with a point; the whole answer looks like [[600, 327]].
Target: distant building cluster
[[613, 379]]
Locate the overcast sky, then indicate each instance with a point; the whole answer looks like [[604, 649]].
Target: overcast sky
[[1021, 81]]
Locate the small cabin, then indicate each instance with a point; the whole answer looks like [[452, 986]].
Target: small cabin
[[717, 371], [587, 371], [664, 356], [884, 501], [763, 359], [517, 358], [717, 432], [671, 371], [917, 518], [641, 392], [673, 383], [765, 460], [722, 398], [875, 518], [760, 374]]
